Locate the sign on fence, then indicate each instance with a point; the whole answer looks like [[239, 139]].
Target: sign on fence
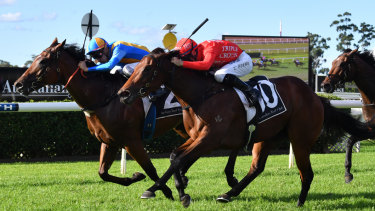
[[8, 75]]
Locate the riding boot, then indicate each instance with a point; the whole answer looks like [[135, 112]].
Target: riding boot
[[251, 94]]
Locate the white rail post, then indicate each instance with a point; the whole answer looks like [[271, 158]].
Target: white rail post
[[123, 161], [291, 156]]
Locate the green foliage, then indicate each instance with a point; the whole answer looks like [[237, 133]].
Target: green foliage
[[317, 46], [347, 31], [46, 134], [56, 134]]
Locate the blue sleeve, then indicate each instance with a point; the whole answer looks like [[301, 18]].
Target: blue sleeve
[[118, 54]]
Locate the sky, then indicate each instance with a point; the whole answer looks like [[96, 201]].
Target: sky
[[27, 27]]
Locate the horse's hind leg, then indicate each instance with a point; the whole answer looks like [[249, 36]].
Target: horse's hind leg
[[348, 158], [302, 155], [260, 154], [229, 169], [107, 156]]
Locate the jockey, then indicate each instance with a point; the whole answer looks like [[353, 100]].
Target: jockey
[[229, 61], [117, 56]]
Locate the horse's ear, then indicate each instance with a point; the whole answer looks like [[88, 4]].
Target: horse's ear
[[54, 42], [57, 47], [353, 52]]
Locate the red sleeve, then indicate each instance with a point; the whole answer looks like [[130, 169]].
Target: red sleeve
[[209, 58]]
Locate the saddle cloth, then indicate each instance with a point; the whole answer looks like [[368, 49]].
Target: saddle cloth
[[270, 102]]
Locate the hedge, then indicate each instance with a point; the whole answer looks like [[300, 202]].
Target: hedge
[[56, 134]]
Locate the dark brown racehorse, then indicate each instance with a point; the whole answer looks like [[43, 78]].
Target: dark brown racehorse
[[114, 124], [214, 118], [298, 63], [360, 68]]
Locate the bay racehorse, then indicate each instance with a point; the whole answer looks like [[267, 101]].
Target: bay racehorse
[[114, 124], [214, 117], [359, 67]]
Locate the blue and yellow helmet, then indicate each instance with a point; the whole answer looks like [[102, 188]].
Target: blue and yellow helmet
[[96, 44]]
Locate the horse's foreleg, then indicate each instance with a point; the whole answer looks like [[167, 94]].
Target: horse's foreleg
[[181, 181], [185, 159], [107, 156], [229, 169], [138, 153], [260, 154], [348, 158]]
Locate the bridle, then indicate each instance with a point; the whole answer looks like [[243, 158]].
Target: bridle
[[346, 68], [47, 68], [143, 90]]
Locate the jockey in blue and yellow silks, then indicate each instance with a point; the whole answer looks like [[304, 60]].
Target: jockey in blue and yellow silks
[[117, 54]]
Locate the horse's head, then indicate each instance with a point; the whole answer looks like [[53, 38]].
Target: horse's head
[[340, 72], [44, 70], [148, 75]]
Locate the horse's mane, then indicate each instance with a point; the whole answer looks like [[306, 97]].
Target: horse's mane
[[366, 56], [75, 51], [204, 82], [78, 54], [366, 84]]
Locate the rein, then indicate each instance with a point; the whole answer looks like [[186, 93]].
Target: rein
[[71, 77]]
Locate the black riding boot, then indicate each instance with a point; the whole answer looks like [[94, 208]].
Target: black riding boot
[[251, 94]]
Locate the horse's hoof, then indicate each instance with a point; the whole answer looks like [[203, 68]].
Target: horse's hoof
[[138, 176], [348, 178], [185, 200], [225, 198], [300, 203], [148, 195]]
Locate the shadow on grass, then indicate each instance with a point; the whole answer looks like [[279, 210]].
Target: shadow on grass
[[330, 200]]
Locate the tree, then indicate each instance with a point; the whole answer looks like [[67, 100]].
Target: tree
[[367, 33], [5, 64], [317, 46], [347, 33], [346, 28]]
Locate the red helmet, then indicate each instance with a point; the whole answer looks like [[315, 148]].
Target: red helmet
[[186, 46]]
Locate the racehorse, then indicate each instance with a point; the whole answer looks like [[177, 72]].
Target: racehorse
[[114, 124], [214, 117], [298, 63], [360, 68]]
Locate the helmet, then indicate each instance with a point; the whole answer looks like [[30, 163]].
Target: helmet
[[186, 46], [96, 44]]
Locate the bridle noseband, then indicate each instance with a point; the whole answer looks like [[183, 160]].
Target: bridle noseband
[[46, 68], [346, 69], [142, 91]]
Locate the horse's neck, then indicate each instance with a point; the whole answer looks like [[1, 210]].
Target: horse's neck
[[188, 86], [86, 91], [365, 81]]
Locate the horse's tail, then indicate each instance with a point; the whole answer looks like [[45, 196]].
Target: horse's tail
[[337, 119]]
